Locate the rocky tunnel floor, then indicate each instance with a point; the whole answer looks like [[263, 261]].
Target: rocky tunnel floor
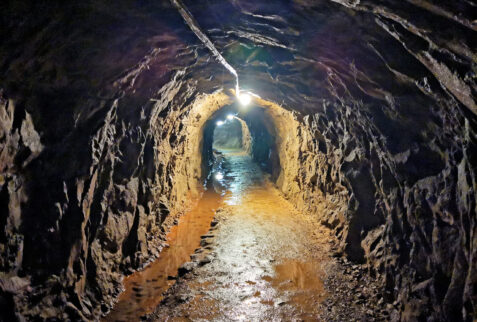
[[259, 260]]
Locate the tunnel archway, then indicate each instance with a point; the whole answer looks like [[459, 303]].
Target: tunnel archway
[[102, 138], [228, 134], [298, 174], [248, 128]]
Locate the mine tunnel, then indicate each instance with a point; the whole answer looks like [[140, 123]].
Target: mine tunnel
[[247, 130], [236, 160]]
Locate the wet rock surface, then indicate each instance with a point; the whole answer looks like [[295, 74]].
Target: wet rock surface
[[97, 114], [144, 289], [263, 260]]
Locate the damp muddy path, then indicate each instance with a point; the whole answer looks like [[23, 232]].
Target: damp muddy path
[[263, 260]]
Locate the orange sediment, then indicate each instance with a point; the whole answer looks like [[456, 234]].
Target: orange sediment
[[144, 289], [265, 258]]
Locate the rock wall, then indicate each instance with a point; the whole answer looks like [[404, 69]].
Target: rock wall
[[410, 166], [410, 214], [80, 203], [85, 195], [246, 137], [102, 109]]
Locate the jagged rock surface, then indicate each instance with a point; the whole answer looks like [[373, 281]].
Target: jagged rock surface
[[382, 93]]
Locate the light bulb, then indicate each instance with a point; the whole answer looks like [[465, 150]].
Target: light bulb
[[244, 99]]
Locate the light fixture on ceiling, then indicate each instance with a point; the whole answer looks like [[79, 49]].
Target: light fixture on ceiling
[[244, 99]]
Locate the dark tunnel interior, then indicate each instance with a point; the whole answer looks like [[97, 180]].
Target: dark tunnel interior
[[342, 184], [261, 136]]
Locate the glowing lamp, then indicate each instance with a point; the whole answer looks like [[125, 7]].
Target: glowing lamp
[[230, 117], [244, 99], [219, 176], [220, 123]]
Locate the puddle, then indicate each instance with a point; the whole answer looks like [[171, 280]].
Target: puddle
[[262, 267], [302, 282], [144, 289]]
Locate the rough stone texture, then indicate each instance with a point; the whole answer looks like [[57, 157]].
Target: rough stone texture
[[79, 172], [102, 109], [246, 136]]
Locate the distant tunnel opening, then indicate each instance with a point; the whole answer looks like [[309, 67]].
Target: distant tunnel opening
[[231, 134], [247, 129]]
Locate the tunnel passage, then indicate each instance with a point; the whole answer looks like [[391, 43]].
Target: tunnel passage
[[228, 134], [102, 110], [249, 129]]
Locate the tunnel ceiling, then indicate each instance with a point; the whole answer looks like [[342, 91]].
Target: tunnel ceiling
[[301, 53], [90, 92]]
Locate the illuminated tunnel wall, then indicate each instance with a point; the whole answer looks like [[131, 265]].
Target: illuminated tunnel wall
[[259, 139], [103, 113]]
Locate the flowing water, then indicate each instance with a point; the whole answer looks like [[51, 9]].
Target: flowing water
[[261, 260]]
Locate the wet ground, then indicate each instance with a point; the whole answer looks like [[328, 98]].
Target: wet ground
[[144, 289], [245, 254]]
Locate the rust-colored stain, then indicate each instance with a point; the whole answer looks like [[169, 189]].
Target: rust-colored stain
[[144, 289], [265, 260]]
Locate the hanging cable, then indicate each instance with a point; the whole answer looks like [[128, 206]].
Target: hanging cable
[[194, 26]]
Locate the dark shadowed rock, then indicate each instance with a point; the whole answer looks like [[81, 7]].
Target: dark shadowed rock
[[98, 103]]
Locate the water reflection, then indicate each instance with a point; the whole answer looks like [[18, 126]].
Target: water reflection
[[144, 289], [262, 266], [241, 175]]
